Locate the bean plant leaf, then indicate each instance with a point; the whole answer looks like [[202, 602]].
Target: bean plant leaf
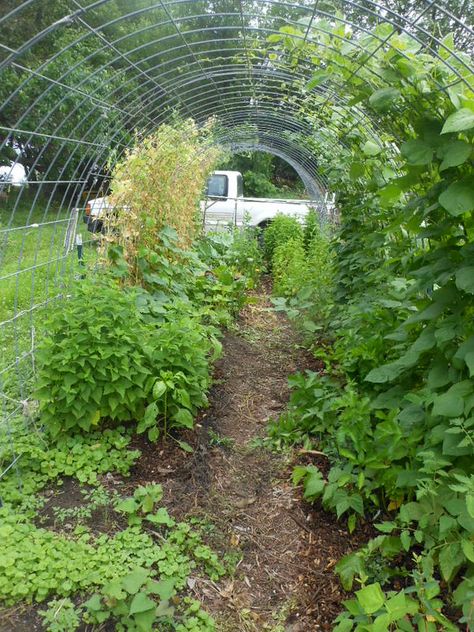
[[114, 590], [468, 549], [384, 98], [470, 504], [417, 152], [318, 78], [184, 446], [385, 373], [456, 154], [458, 198], [397, 606], [450, 558], [371, 598], [465, 279], [451, 403], [159, 389], [371, 149], [347, 568], [145, 620], [128, 505], [313, 484], [459, 121], [184, 418]]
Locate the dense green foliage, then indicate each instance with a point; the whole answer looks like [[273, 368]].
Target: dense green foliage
[[137, 354], [265, 175], [129, 351], [302, 264], [102, 362], [281, 230], [393, 409]]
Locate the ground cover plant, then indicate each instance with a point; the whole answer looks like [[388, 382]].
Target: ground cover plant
[[392, 411]]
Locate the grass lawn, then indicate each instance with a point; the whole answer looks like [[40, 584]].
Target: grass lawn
[[36, 268]]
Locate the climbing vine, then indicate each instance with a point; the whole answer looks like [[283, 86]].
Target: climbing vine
[[394, 411]]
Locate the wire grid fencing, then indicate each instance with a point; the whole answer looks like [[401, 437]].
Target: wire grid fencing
[[83, 80]]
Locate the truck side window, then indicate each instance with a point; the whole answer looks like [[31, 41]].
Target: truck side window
[[217, 186], [240, 186]]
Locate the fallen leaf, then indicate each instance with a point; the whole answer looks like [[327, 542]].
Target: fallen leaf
[[245, 502]]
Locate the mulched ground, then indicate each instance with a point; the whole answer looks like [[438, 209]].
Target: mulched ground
[[288, 548]]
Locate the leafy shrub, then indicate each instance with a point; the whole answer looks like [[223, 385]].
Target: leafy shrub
[[312, 227], [290, 269], [181, 355], [304, 279], [245, 254], [95, 361], [396, 420], [281, 229]]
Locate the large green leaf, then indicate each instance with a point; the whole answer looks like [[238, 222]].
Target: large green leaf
[[417, 152], [384, 98], [465, 279], [397, 606], [371, 598], [313, 484], [468, 549], [459, 121], [455, 154], [128, 505], [164, 588], [458, 198], [319, 77], [141, 603], [385, 373], [469, 360], [159, 389], [135, 580], [145, 620], [161, 517], [450, 558], [451, 403], [184, 418], [94, 604], [347, 568], [371, 149]]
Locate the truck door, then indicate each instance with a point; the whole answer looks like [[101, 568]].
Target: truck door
[[218, 208]]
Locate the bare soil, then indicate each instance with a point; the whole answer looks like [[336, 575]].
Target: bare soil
[[284, 549]]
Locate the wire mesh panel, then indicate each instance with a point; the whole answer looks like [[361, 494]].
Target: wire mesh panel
[[82, 80]]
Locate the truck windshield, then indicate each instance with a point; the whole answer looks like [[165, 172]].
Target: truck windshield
[[217, 186]]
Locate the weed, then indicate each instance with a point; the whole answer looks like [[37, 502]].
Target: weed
[[215, 439], [60, 616]]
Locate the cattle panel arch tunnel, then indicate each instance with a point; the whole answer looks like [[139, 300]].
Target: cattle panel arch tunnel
[[83, 80]]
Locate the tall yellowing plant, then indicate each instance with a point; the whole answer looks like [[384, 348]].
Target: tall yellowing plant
[[159, 183]]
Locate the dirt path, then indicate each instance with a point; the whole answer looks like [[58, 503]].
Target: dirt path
[[284, 581]]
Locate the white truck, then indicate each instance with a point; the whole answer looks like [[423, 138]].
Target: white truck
[[224, 205]]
